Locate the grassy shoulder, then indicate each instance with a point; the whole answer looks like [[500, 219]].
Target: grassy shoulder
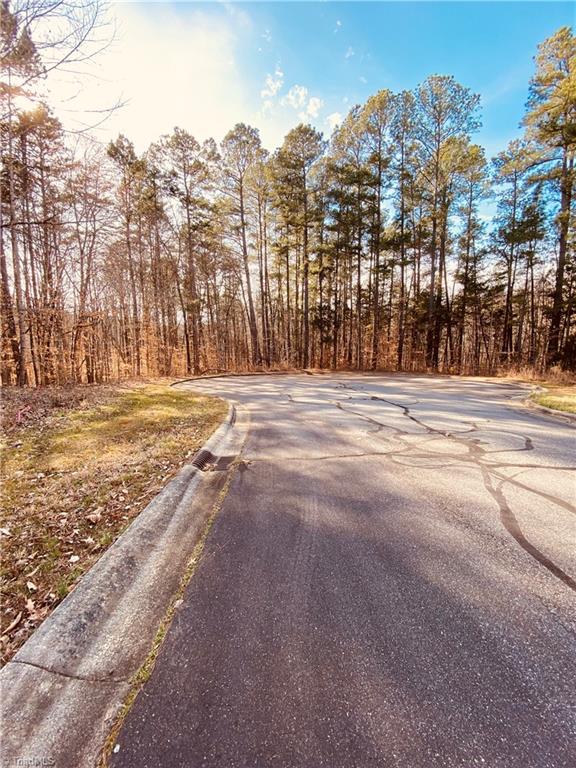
[[557, 398], [78, 465]]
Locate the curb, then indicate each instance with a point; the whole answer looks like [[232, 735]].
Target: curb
[[532, 406], [528, 403], [63, 689]]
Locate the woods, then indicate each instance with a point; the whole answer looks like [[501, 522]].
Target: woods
[[395, 244]]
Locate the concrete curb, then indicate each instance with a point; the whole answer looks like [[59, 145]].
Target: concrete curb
[[528, 403], [532, 406], [62, 691]]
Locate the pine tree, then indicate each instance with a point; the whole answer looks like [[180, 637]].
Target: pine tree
[[551, 122], [302, 147], [445, 110], [241, 150]]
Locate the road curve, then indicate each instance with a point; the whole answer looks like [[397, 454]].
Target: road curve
[[391, 581]]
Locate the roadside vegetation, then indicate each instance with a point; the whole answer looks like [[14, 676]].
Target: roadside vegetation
[[557, 398], [79, 464], [557, 387]]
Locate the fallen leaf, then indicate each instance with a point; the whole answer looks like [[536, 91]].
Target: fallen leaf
[[74, 558], [30, 605], [14, 624], [31, 586]]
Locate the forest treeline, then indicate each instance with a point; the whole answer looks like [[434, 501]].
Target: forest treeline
[[396, 244]]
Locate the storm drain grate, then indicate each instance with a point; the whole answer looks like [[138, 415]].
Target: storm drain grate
[[204, 460]]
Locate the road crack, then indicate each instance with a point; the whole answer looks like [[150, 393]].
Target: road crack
[[476, 456], [68, 676]]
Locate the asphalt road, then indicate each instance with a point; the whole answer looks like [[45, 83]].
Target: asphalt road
[[390, 582]]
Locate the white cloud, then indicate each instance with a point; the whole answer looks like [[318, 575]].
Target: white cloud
[[349, 52], [296, 97], [278, 115], [333, 120], [338, 26], [179, 65], [362, 79], [273, 84], [314, 106]]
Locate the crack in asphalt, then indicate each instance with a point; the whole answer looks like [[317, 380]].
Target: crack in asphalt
[[380, 424], [330, 632], [547, 496], [476, 455], [69, 676], [511, 524]]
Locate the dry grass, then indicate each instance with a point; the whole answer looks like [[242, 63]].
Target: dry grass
[[78, 465], [559, 386], [552, 377], [558, 398]]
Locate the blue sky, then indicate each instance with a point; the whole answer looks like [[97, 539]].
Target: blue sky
[[205, 66], [487, 46]]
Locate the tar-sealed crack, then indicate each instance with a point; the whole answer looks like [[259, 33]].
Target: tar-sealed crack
[[68, 676], [511, 524], [476, 456]]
